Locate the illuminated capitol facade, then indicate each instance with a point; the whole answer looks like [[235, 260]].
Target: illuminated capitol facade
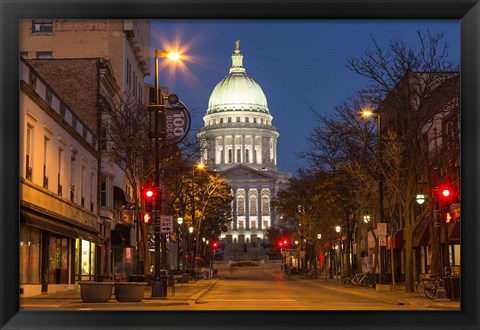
[[239, 141]]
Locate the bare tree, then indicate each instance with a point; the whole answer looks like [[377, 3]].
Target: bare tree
[[404, 86]]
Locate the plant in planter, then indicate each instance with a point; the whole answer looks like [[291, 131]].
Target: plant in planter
[[129, 291], [95, 292]]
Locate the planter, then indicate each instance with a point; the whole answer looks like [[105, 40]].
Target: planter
[[95, 292], [129, 291]]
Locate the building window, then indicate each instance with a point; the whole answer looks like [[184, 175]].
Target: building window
[[103, 191], [241, 225], [92, 189], [72, 176], [265, 205], [104, 139], [238, 119], [230, 156], [74, 123], [254, 120], [44, 55], [62, 110], [42, 26], [45, 156], [253, 205], [24, 55], [60, 167], [48, 96], [241, 206], [229, 119], [247, 119], [247, 155], [265, 224], [29, 255], [28, 151], [82, 187], [128, 72], [239, 155], [221, 120]]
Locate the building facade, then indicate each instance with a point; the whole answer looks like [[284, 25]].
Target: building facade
[[88, 62], [239, 142], [60, 231]]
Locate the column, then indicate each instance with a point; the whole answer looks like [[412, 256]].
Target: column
[[225, 155], [247, 208], [234, 208], [259, 209]]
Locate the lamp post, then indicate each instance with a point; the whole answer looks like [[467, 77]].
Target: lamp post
[[179, 241], [367, 113], [159, 283], [199, 166], [190, 243], [338, 229]]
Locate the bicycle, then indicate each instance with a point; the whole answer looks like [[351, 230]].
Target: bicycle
[[310, 274], [357, 279]]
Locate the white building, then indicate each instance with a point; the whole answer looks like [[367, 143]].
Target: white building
[[239, 141], [75, 45], [60, 231]]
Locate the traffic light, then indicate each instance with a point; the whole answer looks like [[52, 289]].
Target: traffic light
[[450, 217], [149, 195], [214, 245], [146, 217]]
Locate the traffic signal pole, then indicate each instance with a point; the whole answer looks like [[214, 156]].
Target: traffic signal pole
[[159, 283]]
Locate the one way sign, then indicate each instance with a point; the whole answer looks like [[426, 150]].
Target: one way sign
[[166, 224]]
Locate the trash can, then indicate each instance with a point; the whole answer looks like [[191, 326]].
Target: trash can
[[452, 286]]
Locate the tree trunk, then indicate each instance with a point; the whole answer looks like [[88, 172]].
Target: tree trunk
[[409, 280]]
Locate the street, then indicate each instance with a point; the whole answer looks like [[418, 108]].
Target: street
[[263, 287]]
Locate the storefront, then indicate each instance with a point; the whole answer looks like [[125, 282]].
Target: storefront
[[54, 255]]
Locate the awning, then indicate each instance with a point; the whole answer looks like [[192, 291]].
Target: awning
[[57, 226], [121, 235], [453, 233], [421, 234], [120, 195]]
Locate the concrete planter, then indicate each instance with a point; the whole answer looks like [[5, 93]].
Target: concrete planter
[[95, 292], [129, 291]]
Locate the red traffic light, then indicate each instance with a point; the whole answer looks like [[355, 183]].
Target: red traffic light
[[146, 218], [214, 245], [446, 192], [149, 193]]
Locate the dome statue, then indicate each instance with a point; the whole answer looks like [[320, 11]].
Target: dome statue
[[237, 91]]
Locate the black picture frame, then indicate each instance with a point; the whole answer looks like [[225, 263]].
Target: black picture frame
[[468, 11]]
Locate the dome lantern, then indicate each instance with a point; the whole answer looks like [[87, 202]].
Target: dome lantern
[[237, 91]]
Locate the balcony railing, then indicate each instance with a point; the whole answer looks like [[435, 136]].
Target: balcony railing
[[72, 194], [28, 173]]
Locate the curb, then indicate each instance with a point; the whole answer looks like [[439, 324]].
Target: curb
[[197, 296]]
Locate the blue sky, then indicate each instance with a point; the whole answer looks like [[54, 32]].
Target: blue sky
[[294, 62]]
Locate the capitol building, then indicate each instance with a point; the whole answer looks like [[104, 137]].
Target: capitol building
[[239, 141]]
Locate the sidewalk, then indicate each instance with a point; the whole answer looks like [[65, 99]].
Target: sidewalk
[[180, 294], [398, 296]]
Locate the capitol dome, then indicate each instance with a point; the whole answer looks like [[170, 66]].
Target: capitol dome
[[237, 91]]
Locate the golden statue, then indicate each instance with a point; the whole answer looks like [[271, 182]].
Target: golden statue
[[237, 45]]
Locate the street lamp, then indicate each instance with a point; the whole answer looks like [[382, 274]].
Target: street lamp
[[190, 243], [338, 229], [366, 113], [179, 240], [420, 199], [199, 166], [159, 283]]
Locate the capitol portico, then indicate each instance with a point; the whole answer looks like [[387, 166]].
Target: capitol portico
[[239, 141]]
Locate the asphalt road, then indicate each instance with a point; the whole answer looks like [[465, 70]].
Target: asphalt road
[[253, 288], [266, 287]]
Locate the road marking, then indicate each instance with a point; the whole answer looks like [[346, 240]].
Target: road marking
[[250, 300], [42, 305]]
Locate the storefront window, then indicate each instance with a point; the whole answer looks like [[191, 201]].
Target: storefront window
[[58, 260], [29, 255], [84, 260]]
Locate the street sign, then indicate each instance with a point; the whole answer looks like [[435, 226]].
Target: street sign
[[177, 124], [382, 240], [166, 224], [382, 228]]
